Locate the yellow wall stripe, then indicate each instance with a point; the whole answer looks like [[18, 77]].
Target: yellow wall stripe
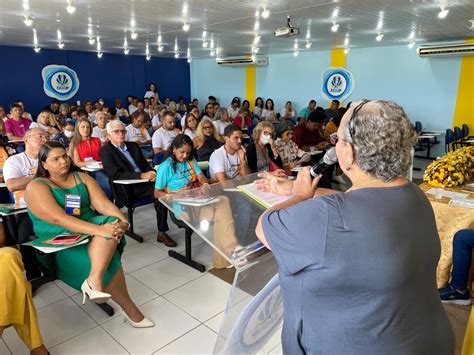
[[464, 110], [338, 59], [250, 83]]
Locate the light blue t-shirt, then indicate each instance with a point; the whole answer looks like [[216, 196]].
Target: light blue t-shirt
[[175, 179]]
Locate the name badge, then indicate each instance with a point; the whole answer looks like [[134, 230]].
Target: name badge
[[73, 205]]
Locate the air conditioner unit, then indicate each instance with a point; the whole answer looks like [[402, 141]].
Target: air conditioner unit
[[446, 50], [243, 61]]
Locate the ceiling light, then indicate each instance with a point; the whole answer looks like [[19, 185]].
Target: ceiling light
[[205, 44], [379, 37], [99, 55], [380, 22], [295, 53], [308, 45], [186, 26], [204, 34], [26, 5], [256, 39], [132, 23], [59, 36], [335, 12], [308, 35], [148, 57], [213, 52], [189, 60], [91, 41], [411, 44], [126, 51], [70, 7], [443, 11], [28, 21], [58, 20], [176, 55], [133, 35], [346, 50], [346, 41], [37, 49], [265, 13], [257, 13], [212, 43], [60, 45], [160, 48], [334, 27]]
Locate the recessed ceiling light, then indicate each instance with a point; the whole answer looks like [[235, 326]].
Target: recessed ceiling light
[[133, 35], [70, 7], [186, 26], [444, 11], [346, 50], [265, 13], [379, 37], [91, 41], [205, 44], [411, 44], [28, 21], [308, 45], [148, 57], [37, 49], [58, 20], [334, 27], [60, 45], [126, 51], [189, 60], [99, 55], [176, 55], [160, 48]]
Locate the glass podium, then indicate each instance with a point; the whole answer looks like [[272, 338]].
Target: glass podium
[[226, 218]]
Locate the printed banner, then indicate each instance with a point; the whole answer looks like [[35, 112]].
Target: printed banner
[[60, 82], [337, 83]]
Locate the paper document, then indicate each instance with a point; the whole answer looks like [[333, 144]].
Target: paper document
[[445, 193], [48, 248], [266, 199], [462, 203]]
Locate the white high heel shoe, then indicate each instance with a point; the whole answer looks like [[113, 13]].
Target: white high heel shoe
[[144, 323], [94, 296]]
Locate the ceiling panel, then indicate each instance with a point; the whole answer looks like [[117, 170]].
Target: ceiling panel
[[231, 24]]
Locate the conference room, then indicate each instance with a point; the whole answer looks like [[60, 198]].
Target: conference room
[[262, 177]]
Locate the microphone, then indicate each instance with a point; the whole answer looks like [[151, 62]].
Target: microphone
[[330, 158]]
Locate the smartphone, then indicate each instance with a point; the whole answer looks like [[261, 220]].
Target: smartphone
[[65, 238]]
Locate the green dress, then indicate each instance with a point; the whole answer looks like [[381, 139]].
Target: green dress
[[73, 264]]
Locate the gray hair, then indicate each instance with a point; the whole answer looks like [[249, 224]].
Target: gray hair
[[219, 115], [382, 137], [110, 126]]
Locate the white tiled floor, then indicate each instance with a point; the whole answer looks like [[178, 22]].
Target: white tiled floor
[[186, 305]]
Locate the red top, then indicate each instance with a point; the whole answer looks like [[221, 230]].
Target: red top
[[89, 149], [238, 121], [303, 137]]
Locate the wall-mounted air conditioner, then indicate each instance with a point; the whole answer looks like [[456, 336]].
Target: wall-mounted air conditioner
[[243, 61], [446, 50]]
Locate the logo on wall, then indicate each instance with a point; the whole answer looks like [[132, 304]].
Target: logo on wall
[[60, 82], [337, 84]]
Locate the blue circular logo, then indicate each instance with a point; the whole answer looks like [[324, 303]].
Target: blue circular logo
[[337, 84], [60, 82]]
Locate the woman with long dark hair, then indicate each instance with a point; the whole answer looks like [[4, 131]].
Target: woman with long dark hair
[[61, 201], [268, 113], [180, 171]]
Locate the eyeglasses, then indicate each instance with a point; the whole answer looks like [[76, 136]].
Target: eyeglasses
[[40, 136], [122, 131], [354, 114]]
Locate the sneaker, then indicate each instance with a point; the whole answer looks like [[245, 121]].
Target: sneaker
[[450, 295]]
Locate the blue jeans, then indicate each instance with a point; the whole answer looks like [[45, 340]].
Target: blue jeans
[[463, 244], [103, 181]]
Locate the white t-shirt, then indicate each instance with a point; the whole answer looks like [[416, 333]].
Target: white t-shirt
[[232, 112], [191, 134], [257, 111], [220, 126], [121, 112], [38, 125], [221, 161], [149, 94], [131, 109], [156, 121], [267, 114], [99, 133], [135, 134], [17, 166], [162, 138], [283, 113], [91, 116]]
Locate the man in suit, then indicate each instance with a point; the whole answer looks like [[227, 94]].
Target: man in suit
[[123, 161]]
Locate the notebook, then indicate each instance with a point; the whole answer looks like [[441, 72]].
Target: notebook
[[266, 199]]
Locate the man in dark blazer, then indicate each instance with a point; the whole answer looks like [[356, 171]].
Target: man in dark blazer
[[124, 161]]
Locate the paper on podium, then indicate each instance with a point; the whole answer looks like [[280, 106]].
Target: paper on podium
[[266, 199]]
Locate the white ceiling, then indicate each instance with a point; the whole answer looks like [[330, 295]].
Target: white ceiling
[[232, 24]]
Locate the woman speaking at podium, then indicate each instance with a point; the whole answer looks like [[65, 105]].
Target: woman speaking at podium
[[357, 269]]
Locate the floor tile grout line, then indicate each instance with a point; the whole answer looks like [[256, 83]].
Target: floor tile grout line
[[8, 348], [179, 337]]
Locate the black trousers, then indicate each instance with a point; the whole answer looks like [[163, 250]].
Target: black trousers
[[25, 232], [148, 189]]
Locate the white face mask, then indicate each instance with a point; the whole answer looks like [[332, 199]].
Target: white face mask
[[68, 134], [101, 102], [264, 139]]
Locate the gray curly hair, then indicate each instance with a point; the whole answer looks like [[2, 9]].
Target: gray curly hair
[[382, 137]]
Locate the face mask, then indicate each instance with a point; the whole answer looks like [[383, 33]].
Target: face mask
[[264, 139], [101, 102], [68, 134]]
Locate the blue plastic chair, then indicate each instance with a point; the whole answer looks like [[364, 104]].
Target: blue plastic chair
[[418, 127], [457, 137], [448, 140]]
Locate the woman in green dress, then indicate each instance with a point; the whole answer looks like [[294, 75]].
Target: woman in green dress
[[61, 201]]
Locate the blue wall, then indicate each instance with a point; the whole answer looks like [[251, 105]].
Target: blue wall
[[112, 76]]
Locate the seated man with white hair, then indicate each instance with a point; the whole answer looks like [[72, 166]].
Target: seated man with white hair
[[123, 161]]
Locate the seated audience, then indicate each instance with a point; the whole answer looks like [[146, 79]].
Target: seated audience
[[123, 161], [111, 114], [191, 109], [172, 108], [372, 250], [243, 119], [94, 268], [152, 92], [46, 122], [180, 171], [190, 126], [246, 105], [229, 161], [85, 150], [304, 113], [89, 110], [221, 120], [100, 131], [209, 111], [132, 107], [456, 291], [288, 151], [308, 135], [332, 125], [136, 131], [163, 136], [181, 106], [195, 102], [158, 118], [233, 109], [333, 110], [287, 112], [207, 140], [121, 111], [53, 107], [262, 154], [18, 172], [18, 309], [66, 135], [63, 114], [24, 114], [257, 110], [3, 118], [141, 110], [15, 125], [268, 113]]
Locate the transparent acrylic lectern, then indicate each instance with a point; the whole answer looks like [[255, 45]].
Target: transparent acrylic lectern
[[226, 218]]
